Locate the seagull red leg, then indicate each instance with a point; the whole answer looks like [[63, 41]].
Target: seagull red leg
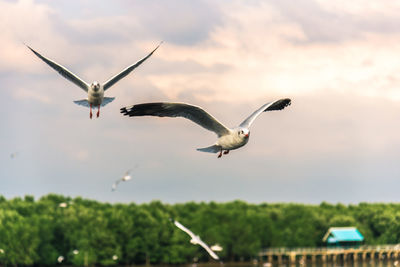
[[90, 114], [226, 152], [98, 112], [220, 154]]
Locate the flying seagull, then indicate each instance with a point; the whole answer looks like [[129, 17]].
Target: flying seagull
[[95, 90], [228, 139], [125, 178], [60, 259], [196, 239]]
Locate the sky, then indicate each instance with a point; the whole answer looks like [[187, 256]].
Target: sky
[[337, 60]]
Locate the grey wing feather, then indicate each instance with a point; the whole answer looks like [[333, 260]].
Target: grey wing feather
[[193, 113], [107, 100], [126, 71], [276, 105], [63, 71]]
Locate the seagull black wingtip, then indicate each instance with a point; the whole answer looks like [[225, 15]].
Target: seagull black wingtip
[[279, 105], [124, 111]]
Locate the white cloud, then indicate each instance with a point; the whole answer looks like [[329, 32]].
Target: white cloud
[[266, 57]]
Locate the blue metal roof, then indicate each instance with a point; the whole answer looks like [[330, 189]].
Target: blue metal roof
[[337, 234]]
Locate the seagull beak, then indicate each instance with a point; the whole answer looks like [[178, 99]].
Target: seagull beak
[[246, 135]]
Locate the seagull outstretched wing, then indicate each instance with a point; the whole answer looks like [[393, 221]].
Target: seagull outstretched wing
[[126, 71], [276, 105], [193, 113], [114, 186], [63, 71], [183, 228], [209, 250]]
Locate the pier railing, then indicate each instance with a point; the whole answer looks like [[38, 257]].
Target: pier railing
[[330, 253]]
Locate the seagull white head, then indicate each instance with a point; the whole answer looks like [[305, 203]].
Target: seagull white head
[[243, 133], [95, 86]]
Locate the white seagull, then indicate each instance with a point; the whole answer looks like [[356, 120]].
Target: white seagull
[[196, 239], [228, 139], [60, 259], [124, 178], [14, 155], [95, 90]]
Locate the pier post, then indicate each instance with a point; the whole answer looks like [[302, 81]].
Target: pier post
[[292, 257]]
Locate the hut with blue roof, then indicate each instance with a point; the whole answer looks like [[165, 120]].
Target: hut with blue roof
[[343, 237]]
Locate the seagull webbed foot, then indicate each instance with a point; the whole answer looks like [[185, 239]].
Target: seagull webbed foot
[[226, 152], [220, 154]]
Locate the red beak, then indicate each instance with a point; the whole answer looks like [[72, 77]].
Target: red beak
[[247, 135]]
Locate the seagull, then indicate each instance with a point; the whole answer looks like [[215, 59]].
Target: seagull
[[195, 239], [60, 259], [124, 178], [95, 90], [228, 139], [14, 155]]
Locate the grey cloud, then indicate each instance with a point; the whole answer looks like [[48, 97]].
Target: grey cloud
[[177, 21]]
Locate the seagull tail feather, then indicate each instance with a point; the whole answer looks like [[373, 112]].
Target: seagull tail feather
[[210, 149]]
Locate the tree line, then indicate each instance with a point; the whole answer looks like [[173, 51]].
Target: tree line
[[88, 232]]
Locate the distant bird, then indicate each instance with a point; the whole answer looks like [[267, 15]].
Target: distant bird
[[195, 239], [60, 259], [1, 251], [75, 252], [95, 90], [63, 205], [124, 178], [228, 139], [115, 257], [14, 155]]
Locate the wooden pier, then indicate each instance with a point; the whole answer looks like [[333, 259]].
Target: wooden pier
[[324, 254]]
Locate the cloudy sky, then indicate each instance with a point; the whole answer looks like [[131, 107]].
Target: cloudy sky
[[337, 60]]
